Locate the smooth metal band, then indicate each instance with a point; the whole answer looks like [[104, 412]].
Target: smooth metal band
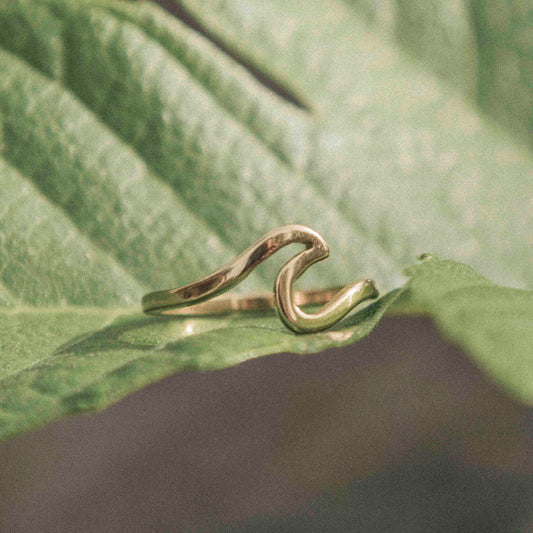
[[197, 297], [247, 302]]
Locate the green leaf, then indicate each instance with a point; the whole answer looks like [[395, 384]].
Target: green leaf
[[140, 152], [65, 361], [494, 324], [482, 47], [52, 364]]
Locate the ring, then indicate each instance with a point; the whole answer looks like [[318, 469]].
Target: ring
[[199, 298]]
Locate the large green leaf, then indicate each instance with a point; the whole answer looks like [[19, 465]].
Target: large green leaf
[[483, 47], [64, 361], [138, 152]]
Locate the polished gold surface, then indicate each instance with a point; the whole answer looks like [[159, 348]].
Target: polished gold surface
[[197, 298], [251, 302]]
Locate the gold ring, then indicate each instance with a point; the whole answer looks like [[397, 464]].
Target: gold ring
[[196, 298]]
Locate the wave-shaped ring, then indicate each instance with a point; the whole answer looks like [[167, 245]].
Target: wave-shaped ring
[[200, 297]]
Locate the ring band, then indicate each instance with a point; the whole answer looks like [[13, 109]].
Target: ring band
[[249, 302], [200, 297]]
